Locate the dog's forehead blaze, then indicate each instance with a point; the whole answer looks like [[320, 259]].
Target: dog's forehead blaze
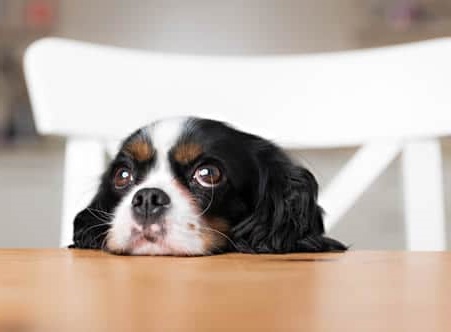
[[185, 153], [140, 149]]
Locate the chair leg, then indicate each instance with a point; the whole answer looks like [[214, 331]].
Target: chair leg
[[354, 178], [84, 162], [423, 195]]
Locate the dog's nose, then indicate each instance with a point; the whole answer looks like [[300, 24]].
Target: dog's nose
[[150, 203]]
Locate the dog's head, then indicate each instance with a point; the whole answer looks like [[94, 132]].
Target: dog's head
[[193, 186]]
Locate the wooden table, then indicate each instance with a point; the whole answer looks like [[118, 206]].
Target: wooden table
[[69, 290]]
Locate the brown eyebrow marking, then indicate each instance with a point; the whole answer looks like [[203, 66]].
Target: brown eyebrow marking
[[187, 152], [140, 149]]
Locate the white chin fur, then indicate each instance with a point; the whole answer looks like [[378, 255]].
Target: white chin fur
[[176, 241]]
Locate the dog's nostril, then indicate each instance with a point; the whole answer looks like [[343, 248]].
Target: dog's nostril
[[137, 200], [160, 199], [149, 202]]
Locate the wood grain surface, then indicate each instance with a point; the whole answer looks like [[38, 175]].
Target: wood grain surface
[[71, 290]]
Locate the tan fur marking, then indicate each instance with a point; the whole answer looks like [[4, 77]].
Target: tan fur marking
[[214, 234], [140, 150], [187, 152]]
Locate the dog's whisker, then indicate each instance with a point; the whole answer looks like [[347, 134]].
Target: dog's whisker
[[85, 231], [208, 229], [209, 203], [103, 219], [100, 211], [221, 234], [104, 241], [101, 234]]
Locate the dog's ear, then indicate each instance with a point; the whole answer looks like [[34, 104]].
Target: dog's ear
[[286, 217], [92, 223], [90, 228]]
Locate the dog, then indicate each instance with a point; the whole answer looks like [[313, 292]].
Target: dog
[[192, 187]]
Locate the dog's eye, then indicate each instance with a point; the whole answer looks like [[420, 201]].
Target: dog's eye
[[122, 178], [208, 175]]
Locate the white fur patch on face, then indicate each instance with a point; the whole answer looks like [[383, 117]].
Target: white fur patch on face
[[182, 221]]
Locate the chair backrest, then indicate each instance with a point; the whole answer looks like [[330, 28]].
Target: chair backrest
[[380, 98], [346, 98]]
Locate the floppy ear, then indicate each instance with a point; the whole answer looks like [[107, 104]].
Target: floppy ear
[[92, 223], [90, 228], [286, 217]]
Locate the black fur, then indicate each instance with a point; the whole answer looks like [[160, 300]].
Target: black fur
[[286, 217], [269, 203]]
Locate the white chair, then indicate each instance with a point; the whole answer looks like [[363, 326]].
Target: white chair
[[387, 100]]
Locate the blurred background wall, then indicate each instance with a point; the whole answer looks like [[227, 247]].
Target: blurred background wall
[[31, 166], [222, 27]]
